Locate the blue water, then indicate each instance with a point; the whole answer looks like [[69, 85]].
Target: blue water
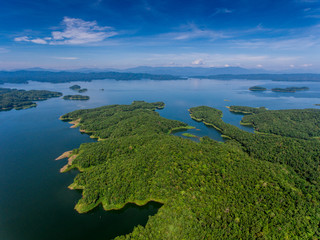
[[35, 202]]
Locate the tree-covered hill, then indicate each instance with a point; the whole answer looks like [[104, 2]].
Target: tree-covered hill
[[302, 155], [209, 190]]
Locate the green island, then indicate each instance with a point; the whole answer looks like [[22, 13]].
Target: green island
[[317, 104], [289, 89], [22, 99], [82, 90], [257, 88], [284, 90], [78, 88], [189, 135], [253, 186], [76, 97], [75, 87]]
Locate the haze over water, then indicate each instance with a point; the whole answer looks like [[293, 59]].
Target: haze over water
[[35, 202]]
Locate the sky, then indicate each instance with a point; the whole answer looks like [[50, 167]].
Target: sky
[[69, 34]]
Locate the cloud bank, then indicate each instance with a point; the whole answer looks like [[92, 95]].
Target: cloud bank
[[74, 31]]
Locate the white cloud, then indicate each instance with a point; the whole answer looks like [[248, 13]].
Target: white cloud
[[278, 43], [38, 41], [221, 11], [224, 60], [27, 39], [22, 39], [191, 31], [197, 62], [74, 31]]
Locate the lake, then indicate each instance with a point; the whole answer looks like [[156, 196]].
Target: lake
[[35, 202]]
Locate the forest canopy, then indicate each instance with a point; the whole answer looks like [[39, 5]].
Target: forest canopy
[[209, 190]]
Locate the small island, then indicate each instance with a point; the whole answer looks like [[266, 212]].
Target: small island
[[189, 135], [284, 90], [82, 90], [289, 89], [78, 88], [22, 99], [257, 88], [75, 87], [76, 97], [317, 104]]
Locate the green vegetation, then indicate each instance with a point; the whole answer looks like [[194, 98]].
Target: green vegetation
[[317, 104], [78, 88], [246, 110], [290, 89], [22, 99], [297, 123], [189, 135], [76, 97], [83, 90], [75, 87], [241, 189], [257, 88], [302, 155]]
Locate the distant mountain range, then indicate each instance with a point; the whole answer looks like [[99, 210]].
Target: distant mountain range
[[194, 71], [179, 71], [140, 73], [60, 77]]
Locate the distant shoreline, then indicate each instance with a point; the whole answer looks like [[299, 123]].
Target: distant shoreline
[[67, 77]]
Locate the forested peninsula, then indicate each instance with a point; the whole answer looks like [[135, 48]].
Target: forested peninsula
[[253, 186], [22, 99], [295, 123]]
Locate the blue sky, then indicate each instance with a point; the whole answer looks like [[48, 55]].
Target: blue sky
[[69, 34]]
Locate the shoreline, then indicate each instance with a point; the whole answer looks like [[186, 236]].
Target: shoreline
[[70, 160], [67, 154], [82, 208]]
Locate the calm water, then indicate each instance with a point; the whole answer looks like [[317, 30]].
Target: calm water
[[35, 202]]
